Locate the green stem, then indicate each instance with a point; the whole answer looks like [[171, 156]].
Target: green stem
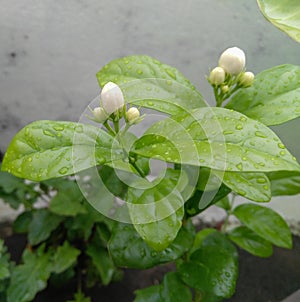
[[132, 162], [229, 213], [117, 126], [198, 296], [108, 127]]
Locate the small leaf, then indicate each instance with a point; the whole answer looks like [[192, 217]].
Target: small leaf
[[254, 186], [22, 222], [41, 226], [31, 277], [65, 256], [147, 82], [273, 99], [50, 149], [283, 14], [266, 223], [251, 242], [149, 294], [128, 249], [284, 183], [4, 262]]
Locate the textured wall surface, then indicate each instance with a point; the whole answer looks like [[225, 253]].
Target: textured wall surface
[[51, 50]]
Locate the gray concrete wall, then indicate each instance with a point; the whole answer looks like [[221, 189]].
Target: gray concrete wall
[[50, 50]]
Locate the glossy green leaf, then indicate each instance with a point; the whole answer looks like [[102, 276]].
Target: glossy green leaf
[[274, 97], [49, 149], [64, 257], [199, 238], [22, 222], [68, 201], [212, 269], [148, 83], [80, 297], [266, 223], [217, 138], [284, 14], [149, 294], [102, 261], [128, 249], [284, 183], [254, 186], [4, 261], [41, 226], [30, 277], [251, 242], [157, 212]]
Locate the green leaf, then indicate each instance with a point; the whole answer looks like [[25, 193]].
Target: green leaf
[[102, 261], [31, 277], [42, 225], [266, 223], [254, 186], [217, 138], [149, 294], [65, 256], [49, 149], [4, 262], [157, 212], [273, 99], [284, 14], [284, 183], [199, 238], [80, 297], [212, 269], [128, 249], [22, 222], [68, 201], [148, 83], [251, 242]]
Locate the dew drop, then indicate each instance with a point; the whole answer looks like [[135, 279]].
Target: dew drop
[[243, 119], [48, 133], [150, 103], [260, 134], [139, 72], [239, 127], [282, 152], [281, 145], [79, 129], [261, 180], [225, 132], [244, 158], [63, 170], [59, 127], [240, 166], [171, 73], [266, 188]]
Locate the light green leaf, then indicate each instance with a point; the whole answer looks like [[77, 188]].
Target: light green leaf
[[31, 277], [251, 242], [266, 223], [68, 201], [148, 83], [41, 226], [284, 183], [149, 294], [284, 14], [102, 261], [49, 149], [217, 138], [273, 99], [254, 186], [128, 249], [64, 257]]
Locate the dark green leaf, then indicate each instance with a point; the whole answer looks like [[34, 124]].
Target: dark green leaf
[[21, 224], [199, 238], [31, 277], [251, 242], [283, 14], [4, 262], [41, 226], [266, 223], [217, 138], [80, 297], [148, 83], [49, 149], [284, 183], [273, 99], [69, 200], [65, 256], [128, 249], [149, 294]]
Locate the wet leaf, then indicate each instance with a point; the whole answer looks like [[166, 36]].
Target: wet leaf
[[274, 97], [266, 223], [49, 149], [284, 14], [147, 82]]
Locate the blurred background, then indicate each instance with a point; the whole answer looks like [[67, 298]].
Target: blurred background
[[51, 50]]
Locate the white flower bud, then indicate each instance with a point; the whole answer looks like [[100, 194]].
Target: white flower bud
[[132, 114], [99, 114], [112, 98], [246, 79], [225, 88], [217, 76], [233, 60]]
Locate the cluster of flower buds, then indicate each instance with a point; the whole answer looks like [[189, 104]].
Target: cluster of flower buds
[[231, 71], [113, 107]]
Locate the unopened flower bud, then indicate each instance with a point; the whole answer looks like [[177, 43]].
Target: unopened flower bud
[[232, 60], [246, 79], [112, 98], [99, 114], [225, 88], [132, 114], [217, 76]]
